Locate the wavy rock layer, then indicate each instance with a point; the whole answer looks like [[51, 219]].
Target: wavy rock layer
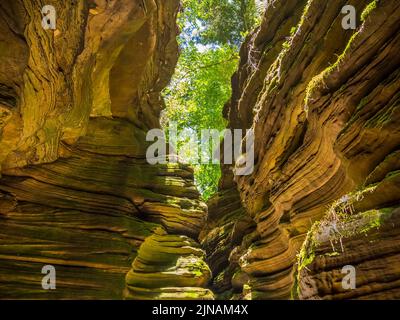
[[324, 105], [361, 230], [76, 191], [227, 225], [169, 267]]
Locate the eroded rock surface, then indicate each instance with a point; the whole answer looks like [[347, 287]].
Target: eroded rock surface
[[222, 237], [360, 231], [170, 267], [323, 103], [76, 191]]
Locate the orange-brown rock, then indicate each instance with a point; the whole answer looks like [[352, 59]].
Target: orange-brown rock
[[76, 191], [323, 103], [169, 267], [222, 236], [360, 230]]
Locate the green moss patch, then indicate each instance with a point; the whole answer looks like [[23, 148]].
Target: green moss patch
[[368, 9]]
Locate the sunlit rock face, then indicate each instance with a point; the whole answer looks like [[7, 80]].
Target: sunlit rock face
[[170, 267], [324, 105], [104, 59], [76, 191]]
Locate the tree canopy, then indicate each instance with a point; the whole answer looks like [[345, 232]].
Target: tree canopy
[[218, 21], [212, 31]]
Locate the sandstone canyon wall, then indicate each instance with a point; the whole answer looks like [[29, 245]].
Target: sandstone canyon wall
[[324, 105], [76, 191]]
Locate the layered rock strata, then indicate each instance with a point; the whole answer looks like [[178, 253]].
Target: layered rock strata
[[227, 225], [76, 190], [77, 193], [323, 103], [360, 231], [169, 267]]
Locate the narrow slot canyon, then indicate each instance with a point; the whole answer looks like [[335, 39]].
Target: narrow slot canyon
[[78, 192]]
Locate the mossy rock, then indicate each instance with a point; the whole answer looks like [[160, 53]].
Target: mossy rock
[[169, 293]]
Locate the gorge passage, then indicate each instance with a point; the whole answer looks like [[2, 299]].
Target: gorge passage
[[77, 193]]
